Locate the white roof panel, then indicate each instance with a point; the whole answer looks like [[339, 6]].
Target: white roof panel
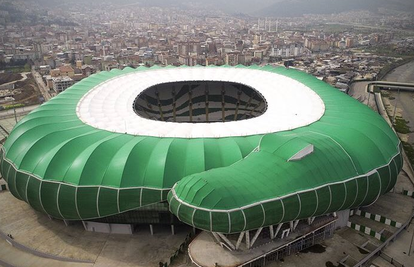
[[290, 104]]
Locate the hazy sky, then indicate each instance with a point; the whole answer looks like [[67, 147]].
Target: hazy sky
[[272, 7]]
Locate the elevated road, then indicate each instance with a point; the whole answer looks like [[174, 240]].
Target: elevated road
[[42, 87], [391, 85]]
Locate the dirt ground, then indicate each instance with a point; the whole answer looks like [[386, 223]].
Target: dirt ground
[[25, 92], [9, 77]]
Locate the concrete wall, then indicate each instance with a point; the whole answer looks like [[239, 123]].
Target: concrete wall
[[121, 228], [343, 218], [110, 228]]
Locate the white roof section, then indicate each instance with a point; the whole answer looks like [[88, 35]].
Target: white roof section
[[290, 104]]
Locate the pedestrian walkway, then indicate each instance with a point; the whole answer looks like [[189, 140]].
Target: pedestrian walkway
[[36, 231]]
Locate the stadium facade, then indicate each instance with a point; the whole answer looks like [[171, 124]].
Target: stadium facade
[[224, 149]]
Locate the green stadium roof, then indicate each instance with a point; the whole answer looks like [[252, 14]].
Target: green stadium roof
[[66, 167]]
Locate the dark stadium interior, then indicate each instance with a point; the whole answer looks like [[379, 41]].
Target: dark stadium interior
[[200, 101]]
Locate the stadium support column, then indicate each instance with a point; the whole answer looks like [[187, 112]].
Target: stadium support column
[[256, 236], [228, 242], [293, 225], [216, 237], [172, 229], [279, 226], [274, 233], [310, 220], [239, 240], [151, 229], [247, 239], [85, 226]]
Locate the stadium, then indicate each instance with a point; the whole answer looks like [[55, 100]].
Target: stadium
[[223, 149]]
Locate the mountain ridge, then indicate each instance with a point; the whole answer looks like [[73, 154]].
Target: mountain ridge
[[271, 8]]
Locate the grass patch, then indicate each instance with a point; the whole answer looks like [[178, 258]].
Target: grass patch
[[385, 93], [336, 28], [401, 125], [17, 69], [409, 151]]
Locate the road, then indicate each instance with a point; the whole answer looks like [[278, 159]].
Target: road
[[405, 105], [358, 91], [404, 73], [41, 85], [400, 248]]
